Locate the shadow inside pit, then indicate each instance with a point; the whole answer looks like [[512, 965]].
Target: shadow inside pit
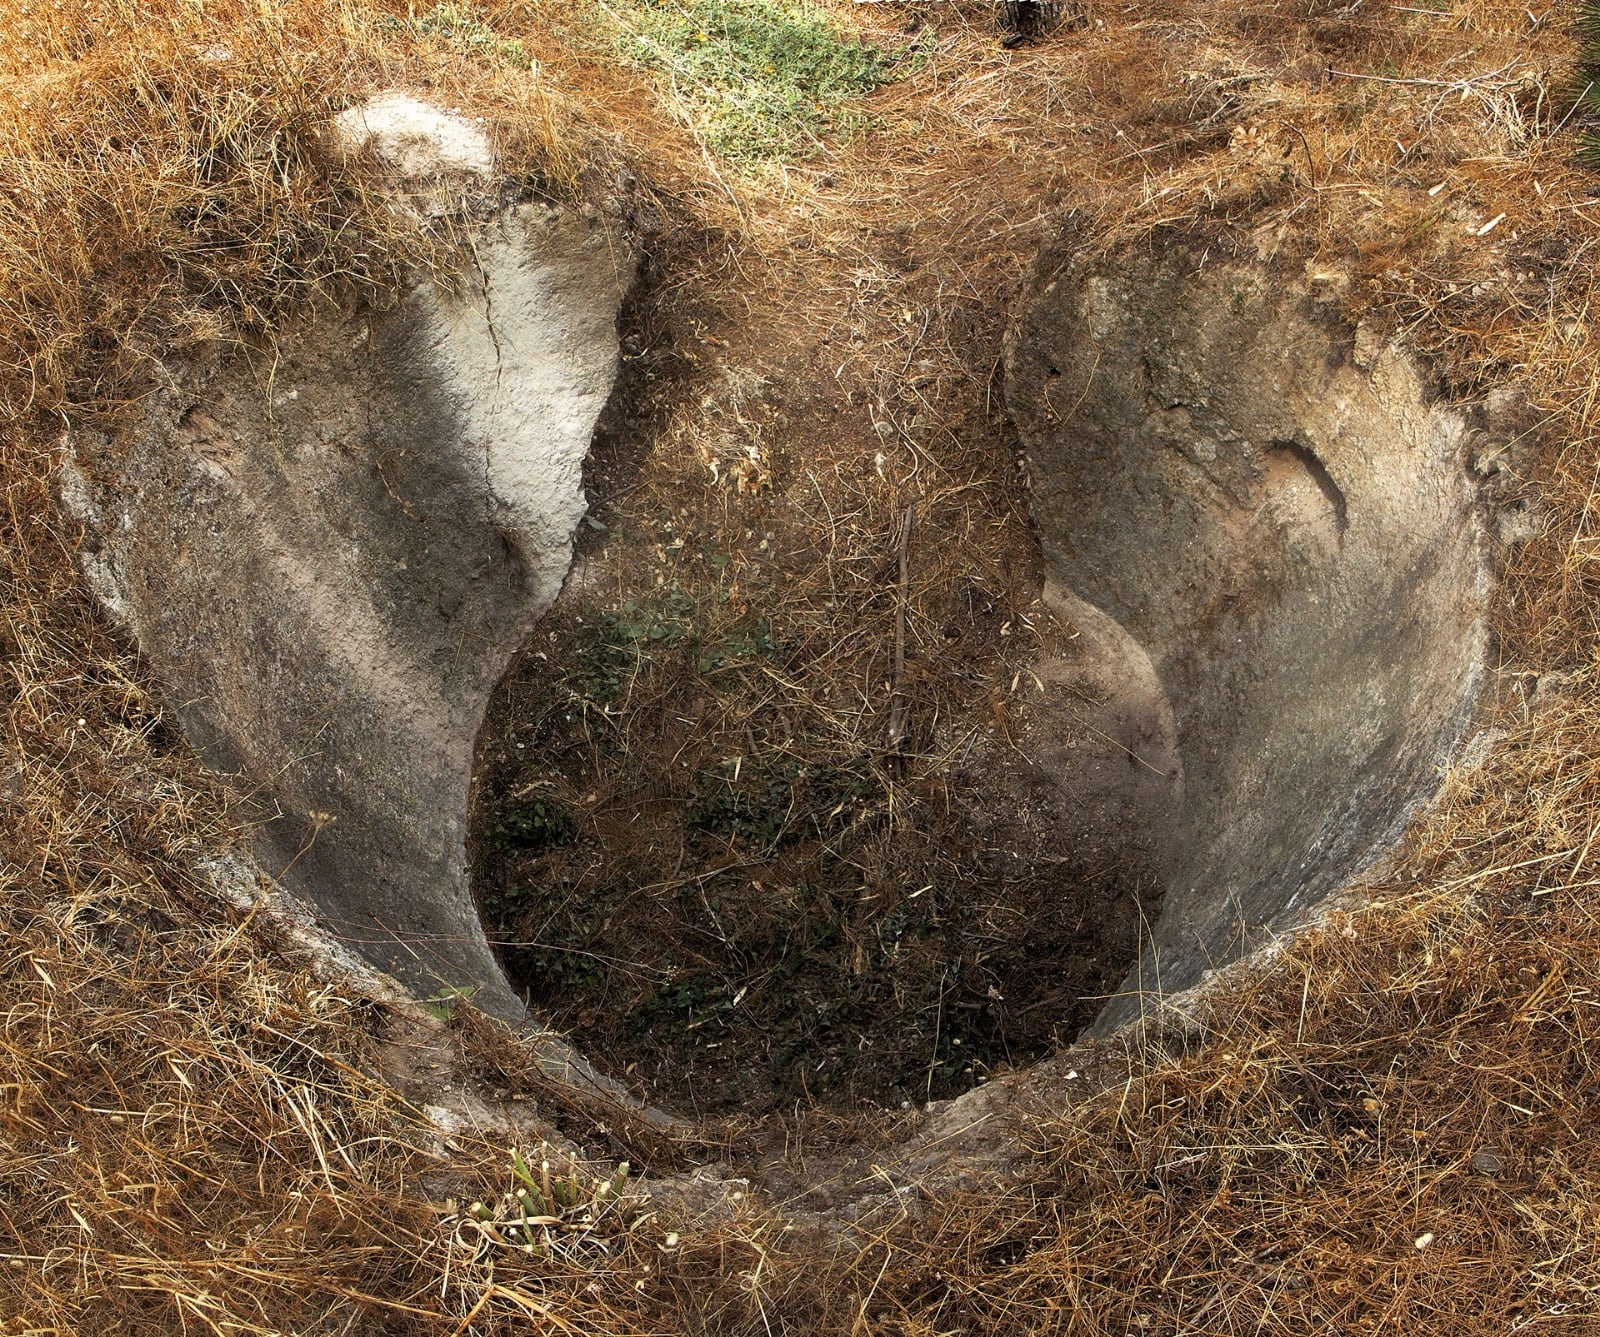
[[767, 931]]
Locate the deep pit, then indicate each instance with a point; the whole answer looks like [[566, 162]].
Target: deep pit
[[746, 923], [843, 795], [1258, 639]]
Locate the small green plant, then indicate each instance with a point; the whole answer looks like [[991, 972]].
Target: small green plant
[[701, 1003], [760, 79], [559, 962], [747, 641], [442, 1004], [531, 827], [618, 642], [550, 1213], [752, 806]]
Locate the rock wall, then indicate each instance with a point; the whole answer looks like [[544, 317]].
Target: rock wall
[[1276, 509], [328, 552]]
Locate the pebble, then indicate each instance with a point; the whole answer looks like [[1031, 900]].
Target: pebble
[[1488, 1161]]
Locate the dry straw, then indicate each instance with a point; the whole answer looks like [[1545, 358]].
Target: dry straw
[[1389, 1129]]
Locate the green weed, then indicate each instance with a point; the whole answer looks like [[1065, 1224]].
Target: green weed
[[566, 925], [739, 645], [442, 1004], [621, 642], [552, 1213], [528, 828], [759, 79], [617, 643]]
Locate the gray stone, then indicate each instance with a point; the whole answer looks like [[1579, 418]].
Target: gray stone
[[1275, 509], [329, 553], [1488, 1161]]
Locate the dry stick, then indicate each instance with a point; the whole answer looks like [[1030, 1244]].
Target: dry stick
[[1468, 82], [1311, 162], [897, 707], [473, 1313], [938, 1029], [1133, 756]]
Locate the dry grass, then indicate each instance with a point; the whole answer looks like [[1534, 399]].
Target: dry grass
[[169, 183], [1389, 1128]]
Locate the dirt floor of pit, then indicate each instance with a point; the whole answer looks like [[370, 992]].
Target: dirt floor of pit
[[801, 796]]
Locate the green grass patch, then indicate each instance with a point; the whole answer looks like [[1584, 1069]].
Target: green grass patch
[[464, 30], [761, 80]]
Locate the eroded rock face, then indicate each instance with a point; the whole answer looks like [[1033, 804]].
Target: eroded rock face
[[1273, 507], [328, 555]]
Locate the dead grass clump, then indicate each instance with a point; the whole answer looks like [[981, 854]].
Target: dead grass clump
[[170, 180], [167, 188]]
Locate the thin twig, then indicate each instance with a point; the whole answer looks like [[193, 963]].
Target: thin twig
[[897, 708]]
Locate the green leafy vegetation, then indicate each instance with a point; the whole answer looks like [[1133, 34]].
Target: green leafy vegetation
[[621, 642], [615, 646], [565, 923], [531, 827], [759, 79], [443, 1003]]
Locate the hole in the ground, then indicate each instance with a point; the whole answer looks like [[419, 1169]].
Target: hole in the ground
[[743, 921], [1258, 638], [699, 849], [827, 804], [840, 786]]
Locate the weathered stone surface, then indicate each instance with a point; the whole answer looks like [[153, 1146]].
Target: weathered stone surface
[[1272, 505], [329, 553]]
